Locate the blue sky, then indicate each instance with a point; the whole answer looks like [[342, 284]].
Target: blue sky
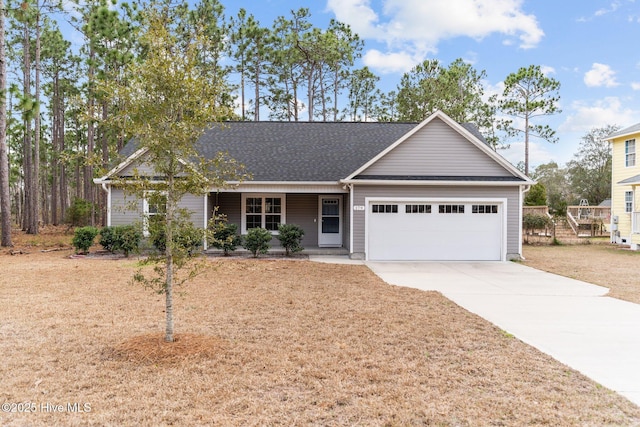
[[589, 46]]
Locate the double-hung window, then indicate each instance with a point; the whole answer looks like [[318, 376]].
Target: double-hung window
[[263, 211], [628, 201], [630, 152]]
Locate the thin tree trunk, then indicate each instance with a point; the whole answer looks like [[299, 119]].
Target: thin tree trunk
[[28, 159], [88, 168], [36, 141], [5, 201]]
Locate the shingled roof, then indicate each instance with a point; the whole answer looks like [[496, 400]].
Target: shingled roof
[[301, 151]]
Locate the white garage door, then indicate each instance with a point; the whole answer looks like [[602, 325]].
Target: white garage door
[[435, 231]]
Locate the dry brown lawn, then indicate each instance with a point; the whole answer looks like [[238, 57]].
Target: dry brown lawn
[[601, 263], [267, 342]]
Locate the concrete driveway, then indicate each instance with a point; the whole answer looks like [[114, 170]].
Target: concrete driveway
[[567, 319]]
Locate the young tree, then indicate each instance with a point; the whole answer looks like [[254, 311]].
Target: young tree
[[590, 170], [529, 94], [167, 104]]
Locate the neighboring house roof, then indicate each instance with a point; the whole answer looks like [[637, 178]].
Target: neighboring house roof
[[624, 132], [630, 180], [317, 151]]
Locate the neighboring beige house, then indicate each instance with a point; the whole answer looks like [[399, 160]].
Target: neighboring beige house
[[381, 191], [625, 187]]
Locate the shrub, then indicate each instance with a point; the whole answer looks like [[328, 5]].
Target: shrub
[[186, 237], [222, 235], [290, 236], [122, 237], [79, 213], [535, 222], [128, 238], [83, 238], [108, 238], [257, 241]]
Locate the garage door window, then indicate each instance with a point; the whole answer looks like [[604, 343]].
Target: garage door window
[[484, 209], [451, 209], [418, 208], [384, 208]]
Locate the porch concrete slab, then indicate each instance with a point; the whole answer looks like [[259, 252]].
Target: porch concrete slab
[[570, 320]]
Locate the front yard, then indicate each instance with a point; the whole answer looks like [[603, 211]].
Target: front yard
[[600, 263], [268, 342]]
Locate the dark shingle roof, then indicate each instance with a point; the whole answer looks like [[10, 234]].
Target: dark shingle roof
[[301, 151]]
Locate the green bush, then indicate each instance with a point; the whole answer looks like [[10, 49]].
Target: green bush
[[108, 239], [535, 222], [128, 238], [122, 237], [222, 235], [186, 237], [83, 238], [79, 213], [290, 236], [257, 241]]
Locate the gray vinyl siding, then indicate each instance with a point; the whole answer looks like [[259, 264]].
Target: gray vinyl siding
[[302, 210], [143, 169], [195, 205], [437, 150], [512, 194], [125, 210], [128, 210]]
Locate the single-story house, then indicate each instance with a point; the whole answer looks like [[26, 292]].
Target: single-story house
[[382, 191]]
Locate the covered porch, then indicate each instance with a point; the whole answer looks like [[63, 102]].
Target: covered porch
[[324, 216]]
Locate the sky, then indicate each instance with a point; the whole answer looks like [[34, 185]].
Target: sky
[[589, 46]]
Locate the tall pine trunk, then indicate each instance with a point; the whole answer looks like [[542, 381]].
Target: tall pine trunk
[[5, 202]]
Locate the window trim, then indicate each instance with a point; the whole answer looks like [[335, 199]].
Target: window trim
[[263, 196], [629, 154]]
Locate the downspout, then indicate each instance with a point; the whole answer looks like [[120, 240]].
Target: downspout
[[350, 187], [524, 189], [108, 191]]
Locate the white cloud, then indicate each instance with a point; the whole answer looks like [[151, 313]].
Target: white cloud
[[607, 111], [546, 70], [418, 26], [635, 85], [600, 75], [538, 153], [400, 62]]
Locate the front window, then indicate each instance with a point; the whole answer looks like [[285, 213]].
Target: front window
[[630, 152], [628, 201], [154, 206], [262, 211]]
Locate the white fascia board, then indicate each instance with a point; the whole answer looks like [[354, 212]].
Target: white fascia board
[[126, 162], [284, 187], [437, 183]]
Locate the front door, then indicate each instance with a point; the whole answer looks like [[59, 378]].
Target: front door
[[330, 224]]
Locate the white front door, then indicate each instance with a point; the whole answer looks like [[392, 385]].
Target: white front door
[[330, 223]]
